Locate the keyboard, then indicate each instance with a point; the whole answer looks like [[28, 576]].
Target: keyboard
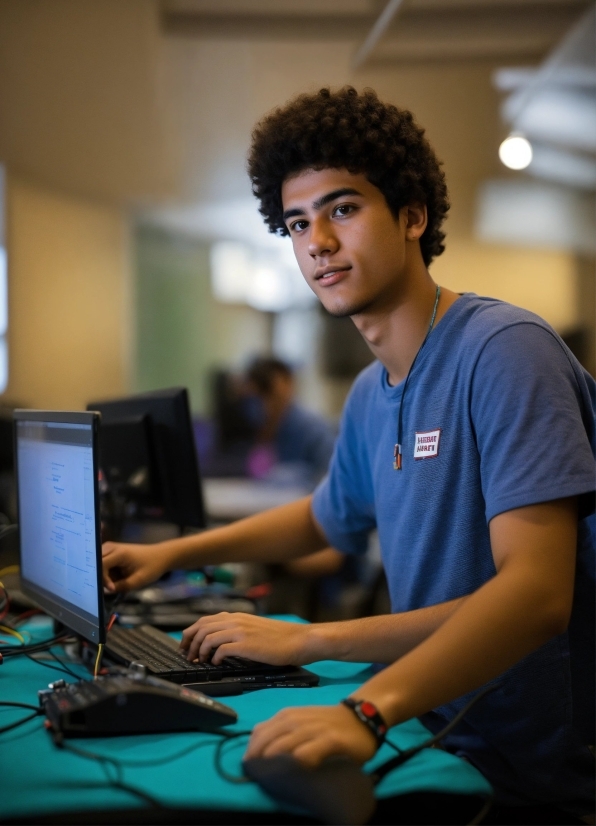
[[161, 657]]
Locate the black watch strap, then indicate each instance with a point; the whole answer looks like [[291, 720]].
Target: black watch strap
[[368, 714]]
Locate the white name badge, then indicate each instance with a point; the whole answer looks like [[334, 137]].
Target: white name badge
[[426, 444]]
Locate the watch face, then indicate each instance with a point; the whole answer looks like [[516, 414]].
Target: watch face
[[368, 709]]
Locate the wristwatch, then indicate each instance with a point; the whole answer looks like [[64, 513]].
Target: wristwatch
[[368, 714]]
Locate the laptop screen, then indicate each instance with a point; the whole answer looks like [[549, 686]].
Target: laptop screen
[[60, 543]]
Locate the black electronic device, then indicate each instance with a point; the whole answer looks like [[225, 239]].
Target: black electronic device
[[336, 791], [6, 440], [149, 460], [161, 656], [7, 481], [130, 704], [58, 516]]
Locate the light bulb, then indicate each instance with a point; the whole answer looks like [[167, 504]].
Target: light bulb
[[515, 152]]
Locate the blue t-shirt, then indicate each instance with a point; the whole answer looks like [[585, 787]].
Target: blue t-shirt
[[498, 415]]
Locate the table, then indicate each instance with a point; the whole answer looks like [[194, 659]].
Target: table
[[39, 783], [234, 498]]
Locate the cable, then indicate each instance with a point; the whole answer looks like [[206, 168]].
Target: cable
[[105, 762], [25, 615], [14, 650], [158, 761], [47, 665], [479, 817], [63, 670], [21, 721], [231, 778], [118, 765], [6, 607], [381, 771], [18, 705], [9, 569], [36, 713], [6, 630], [65, 667], [98, 660]]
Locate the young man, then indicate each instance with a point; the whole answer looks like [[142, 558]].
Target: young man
[[467, 445]]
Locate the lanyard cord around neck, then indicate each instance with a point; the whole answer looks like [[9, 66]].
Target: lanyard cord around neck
[[397, 448]]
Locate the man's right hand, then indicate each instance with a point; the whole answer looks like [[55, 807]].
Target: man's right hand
[[127, 567]]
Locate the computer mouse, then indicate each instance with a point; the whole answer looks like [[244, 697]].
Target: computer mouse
[[130, 704], [337, 791]]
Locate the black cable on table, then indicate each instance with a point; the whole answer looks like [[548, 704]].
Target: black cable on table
[[18, 705], [381, 771], [225, 775], [105, 762], [37, 712], [64, 665], [53, 667], [32, 648]]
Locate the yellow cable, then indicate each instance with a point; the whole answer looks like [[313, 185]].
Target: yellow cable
[[98, 659], [10, 569], [14, 633]]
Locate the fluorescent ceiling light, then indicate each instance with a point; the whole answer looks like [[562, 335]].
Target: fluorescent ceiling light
[[567, 118], [564, 167], [534, 214]]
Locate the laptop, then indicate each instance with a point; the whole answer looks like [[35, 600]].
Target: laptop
[[56, 463]]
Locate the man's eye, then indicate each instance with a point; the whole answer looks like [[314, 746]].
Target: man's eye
[[343, 209], [297, 226]]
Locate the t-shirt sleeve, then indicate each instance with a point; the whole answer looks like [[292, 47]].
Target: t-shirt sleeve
[[343, 503], [526, 407]]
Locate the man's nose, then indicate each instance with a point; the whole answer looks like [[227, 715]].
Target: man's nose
[[323, 240]]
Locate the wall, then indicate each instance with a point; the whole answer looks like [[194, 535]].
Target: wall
[[69, 299], [458, 107], [182, 332], [544, 281], [80, 98]]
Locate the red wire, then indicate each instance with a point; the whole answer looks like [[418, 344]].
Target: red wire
[[26, 614]]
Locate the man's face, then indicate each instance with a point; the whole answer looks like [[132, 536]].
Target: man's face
[[351, 249]]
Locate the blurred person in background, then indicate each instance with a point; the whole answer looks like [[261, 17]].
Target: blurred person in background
[[295, 445], [290, 441]]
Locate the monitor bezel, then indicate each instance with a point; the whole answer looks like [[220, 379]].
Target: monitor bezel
[[91, 630]]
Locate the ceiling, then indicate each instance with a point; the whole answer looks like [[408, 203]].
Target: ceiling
[[394, 31], [150, 103]]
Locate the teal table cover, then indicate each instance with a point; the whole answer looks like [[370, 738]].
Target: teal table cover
[[38, 778]]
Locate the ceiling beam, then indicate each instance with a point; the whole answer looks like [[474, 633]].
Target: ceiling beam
[[377, 31]]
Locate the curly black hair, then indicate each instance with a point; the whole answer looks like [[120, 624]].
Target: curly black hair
[[357, 132]]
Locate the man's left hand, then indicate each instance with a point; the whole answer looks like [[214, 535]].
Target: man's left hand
[[311, 734]]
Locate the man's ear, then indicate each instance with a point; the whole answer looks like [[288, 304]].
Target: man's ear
[[416, 221]]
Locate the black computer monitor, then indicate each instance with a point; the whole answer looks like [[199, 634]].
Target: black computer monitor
[[148, 458], [6, 440], [56, 463], [7, 486]]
